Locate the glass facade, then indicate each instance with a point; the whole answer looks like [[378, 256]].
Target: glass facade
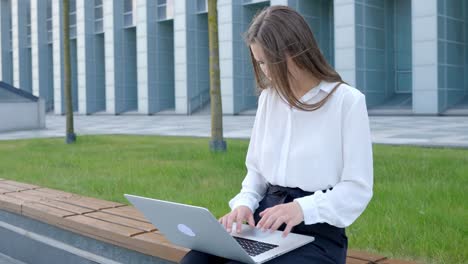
[[378, 59], [129, 13], [98, 17], [383, 51], [72, 17], [452, 52], [165, 9]]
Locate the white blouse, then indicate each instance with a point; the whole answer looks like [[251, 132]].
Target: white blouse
[[312, 150]]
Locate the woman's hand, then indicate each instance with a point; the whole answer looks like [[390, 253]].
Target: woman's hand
[[238, 215], [273, 217]]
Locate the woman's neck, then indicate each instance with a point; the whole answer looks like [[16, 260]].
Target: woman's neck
[[304, 84]]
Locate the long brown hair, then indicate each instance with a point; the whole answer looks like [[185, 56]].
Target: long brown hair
[[281, 32]]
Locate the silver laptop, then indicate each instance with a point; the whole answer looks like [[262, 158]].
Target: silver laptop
[[196, 228]]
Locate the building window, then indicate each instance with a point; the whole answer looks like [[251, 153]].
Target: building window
[[165, 9], [98, 17], [202, 6], [28, 25], [49, 21], [72, 13], [129, 13]]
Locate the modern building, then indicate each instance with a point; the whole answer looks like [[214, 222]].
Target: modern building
[[151, 56]]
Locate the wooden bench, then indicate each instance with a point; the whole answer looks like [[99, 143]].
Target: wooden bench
[[111, 222]]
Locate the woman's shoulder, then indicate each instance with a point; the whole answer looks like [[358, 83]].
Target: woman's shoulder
[[347, 94]]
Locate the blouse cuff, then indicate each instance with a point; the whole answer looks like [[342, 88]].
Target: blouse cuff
[[243, 199], [309, 208]]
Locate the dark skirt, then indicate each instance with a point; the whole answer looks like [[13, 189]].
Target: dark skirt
[[330, 244]]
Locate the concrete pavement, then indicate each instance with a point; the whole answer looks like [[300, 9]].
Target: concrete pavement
[[451, 131]]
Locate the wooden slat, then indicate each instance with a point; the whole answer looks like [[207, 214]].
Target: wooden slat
[[20, 184], [143, 226], [156, 245], [35, 209], [11, 188], [50, 193], [89, 202], [127, 211], [34, 196], [2, 190], [26, 196], [364, 256], [356, 261], [69, 207], [10, 204], [102, 228]]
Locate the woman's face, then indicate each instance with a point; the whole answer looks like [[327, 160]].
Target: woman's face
[[259, 56]]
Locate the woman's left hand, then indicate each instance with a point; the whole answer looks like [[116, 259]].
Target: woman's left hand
[[273, 217]]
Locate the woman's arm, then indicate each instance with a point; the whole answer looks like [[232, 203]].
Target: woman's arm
[[348, 199], [254, 185]]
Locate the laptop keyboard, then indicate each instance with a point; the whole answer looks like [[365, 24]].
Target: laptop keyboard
[[253, 247]]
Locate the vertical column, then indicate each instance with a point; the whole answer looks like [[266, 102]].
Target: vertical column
[[120, 60], [81, 46], [109, 55], [143, 74], [345, 40], [180, 46], [57, 56], [425, 81], [35, 47], [38, 35], [226, 56], [15, 41]]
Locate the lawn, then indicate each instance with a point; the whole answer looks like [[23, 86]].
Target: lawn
[[418, 212]]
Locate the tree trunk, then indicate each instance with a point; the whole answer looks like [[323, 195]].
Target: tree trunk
[[70, 136], [217, 142]]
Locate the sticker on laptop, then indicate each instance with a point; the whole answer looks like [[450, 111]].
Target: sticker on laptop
[[185, 230]]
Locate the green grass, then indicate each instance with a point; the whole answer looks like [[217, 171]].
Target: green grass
[[418, 212]]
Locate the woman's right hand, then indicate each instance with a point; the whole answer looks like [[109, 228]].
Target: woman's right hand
[[238, 215]]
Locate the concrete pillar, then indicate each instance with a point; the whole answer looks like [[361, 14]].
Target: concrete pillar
[[143, 52], [39, 49], [180, 50], [109, 55], [82, 21], [226, 55], [425, 77], [35, 46], [345, 40], [120, 57], [90, 60], [15, 42], [57, 57]]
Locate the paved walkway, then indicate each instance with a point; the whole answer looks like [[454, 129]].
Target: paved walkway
[[449, 131]]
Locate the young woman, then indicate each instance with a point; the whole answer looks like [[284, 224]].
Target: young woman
[[309, 162]]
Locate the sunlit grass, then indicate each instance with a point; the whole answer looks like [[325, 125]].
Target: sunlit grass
[[418, 211]]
